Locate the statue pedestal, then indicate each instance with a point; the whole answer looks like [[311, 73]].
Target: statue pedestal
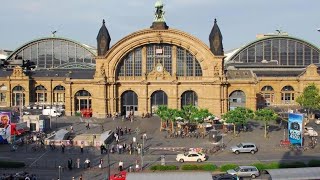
[[159, 26]]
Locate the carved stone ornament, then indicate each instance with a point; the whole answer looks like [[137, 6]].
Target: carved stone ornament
[[18, 72], [216, 70], [159, 73], [100, 73]]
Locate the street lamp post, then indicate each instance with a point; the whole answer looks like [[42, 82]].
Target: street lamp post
[[142, 150], [59, 173], [108, 152]]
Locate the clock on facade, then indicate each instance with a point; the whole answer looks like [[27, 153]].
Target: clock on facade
[[159, 68]]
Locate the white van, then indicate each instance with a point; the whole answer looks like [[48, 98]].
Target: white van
[[51, 112]]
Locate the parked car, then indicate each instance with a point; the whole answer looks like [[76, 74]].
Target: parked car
[[191, 156], [225, 177], [245, 171], [309, 131], [244, 147], [317, 121]]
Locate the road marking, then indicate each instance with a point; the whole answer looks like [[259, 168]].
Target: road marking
[[4, 157], [38, 158]]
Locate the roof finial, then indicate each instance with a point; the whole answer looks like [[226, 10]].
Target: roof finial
[[215, 20], [103, 21]]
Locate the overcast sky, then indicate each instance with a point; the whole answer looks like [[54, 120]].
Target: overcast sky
[[80, 20]]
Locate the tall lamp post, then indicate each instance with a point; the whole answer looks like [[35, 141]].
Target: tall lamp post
[[142, 150], [108, 152], [59, 172]]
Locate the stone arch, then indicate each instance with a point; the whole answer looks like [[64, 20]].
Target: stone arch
[[189, 97], [175, 37], [158, 97], [237, 98], [129, 102], [82, 100]]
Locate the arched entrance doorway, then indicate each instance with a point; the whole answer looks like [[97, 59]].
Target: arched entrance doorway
[[129, 102], [158, 98], [189, 98], [82, 100], [237, 99]]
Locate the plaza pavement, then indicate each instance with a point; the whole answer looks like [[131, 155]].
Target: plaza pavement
[[45, 163]]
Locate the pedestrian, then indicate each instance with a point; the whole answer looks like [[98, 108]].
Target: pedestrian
[[101, 162], [78, 163], [81, 147], [71, 128], [137, 166], [72, 178], [145, 136], [80, 178], [101, 149], [88, 126], [87, 163], [102, 129], [120, 165], [70, 164], [62, 147]]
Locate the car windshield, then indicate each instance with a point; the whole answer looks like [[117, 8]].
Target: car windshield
[[239, 145], [237, 169], [200, 154]]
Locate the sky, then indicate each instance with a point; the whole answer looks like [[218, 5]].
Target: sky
[[240, 21]]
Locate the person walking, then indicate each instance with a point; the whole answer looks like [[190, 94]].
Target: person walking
[[137, 166], [120, 165], [80, 178], [100, 163], [71, 128], [62, 147], [87, 163], [81, 148]]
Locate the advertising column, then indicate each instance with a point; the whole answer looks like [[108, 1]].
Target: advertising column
[[295, 128], [5, 127]]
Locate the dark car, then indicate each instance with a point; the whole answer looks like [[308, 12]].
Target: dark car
[[225, 177]]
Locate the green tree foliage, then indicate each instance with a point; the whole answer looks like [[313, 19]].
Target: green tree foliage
[[265, 115], [310, 97], [238, 116]]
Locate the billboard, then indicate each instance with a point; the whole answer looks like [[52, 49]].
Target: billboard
[[5, 129], [295, 128]]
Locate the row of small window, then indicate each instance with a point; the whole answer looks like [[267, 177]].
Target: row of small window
[[187, 65], [286, 52], [287, 97]]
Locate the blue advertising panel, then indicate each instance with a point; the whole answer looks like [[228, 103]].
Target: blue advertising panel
[[295, 128], [5, 127]]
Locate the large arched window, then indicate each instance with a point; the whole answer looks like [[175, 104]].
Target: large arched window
[[279, 50], [158, 98], [40, 94], [189, 98], [54, 52], [82, 100], [237, 99], [59, 95], [159, 53], [266, 97], [3, 95], [18, 96], [129, 102], [287, 95], [187, 64], [131, 65]]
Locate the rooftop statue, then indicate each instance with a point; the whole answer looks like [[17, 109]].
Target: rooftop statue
[[159, 14]]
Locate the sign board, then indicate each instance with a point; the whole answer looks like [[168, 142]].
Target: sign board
[[295, 128], [5, 127]]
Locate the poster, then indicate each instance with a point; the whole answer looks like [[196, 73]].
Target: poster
[[295, 128], [5, 127]]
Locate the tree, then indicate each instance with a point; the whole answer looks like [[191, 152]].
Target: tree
[[309, 98], [265, 115], [167, 114], [238, 116]]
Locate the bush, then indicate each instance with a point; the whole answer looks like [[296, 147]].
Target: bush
[[314, 163], [226, 167], [202, 167], [264, 166], [296, 164], [11, 164], [163, 168]]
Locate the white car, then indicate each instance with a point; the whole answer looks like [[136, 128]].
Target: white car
[[191, 156], [317, 121], [309, 131]]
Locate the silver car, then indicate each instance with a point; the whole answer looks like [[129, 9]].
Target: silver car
[[245, 171], [244, 147]]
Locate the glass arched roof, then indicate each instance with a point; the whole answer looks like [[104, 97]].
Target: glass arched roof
[[55, 52], [280, 50]]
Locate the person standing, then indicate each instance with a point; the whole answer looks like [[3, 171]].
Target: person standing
[[80, 178], [62, 147], [137, 166], [71, 128], [120, 165]]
